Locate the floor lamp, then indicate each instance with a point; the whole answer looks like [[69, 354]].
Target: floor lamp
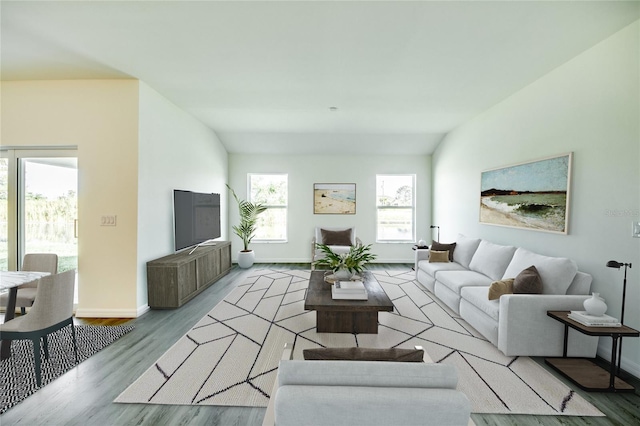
[[617, 265], [436, 226]]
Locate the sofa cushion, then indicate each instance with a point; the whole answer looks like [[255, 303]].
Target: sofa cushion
[[456, 280], [433, 268], [557, 273], [365, 354], [477, 296], [528, 282], [444, 247], [438, 256], [492, 259], [336, 238], [465, 248], [498, 288]]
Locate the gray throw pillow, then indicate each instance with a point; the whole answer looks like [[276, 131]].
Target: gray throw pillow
[[364, 354], [528, 282], [336, 238], [444, 247]]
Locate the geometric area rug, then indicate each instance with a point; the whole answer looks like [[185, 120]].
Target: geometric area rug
[[17, 374], [230, 357]]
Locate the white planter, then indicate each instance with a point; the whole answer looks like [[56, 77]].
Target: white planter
[[246, 259]]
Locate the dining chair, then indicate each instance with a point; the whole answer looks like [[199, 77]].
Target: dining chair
[[52, 310], [38, 262]]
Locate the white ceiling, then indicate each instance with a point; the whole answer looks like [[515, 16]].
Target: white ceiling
[[264, 74]]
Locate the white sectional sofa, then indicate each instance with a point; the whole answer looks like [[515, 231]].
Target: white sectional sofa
[[516, 323]]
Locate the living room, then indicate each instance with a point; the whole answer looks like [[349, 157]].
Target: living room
[[135, 146]]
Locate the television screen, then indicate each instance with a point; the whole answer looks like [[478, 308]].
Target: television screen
[[196, 218]]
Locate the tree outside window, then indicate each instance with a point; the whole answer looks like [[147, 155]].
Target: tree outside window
[[270, 190], [395, 202]]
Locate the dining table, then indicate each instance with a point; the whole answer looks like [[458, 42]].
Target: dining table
[[11, 280]]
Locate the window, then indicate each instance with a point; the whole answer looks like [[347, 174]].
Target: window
[[395, 207], [272, 191]]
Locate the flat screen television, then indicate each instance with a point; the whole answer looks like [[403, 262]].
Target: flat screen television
[[196, 218]]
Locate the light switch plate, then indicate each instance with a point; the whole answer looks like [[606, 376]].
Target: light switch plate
[[108, 220], [635, 232]]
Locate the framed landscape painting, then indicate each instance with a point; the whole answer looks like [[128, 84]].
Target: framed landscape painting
[[334, 198], [532, 195]]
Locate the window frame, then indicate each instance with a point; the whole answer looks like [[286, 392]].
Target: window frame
[[412, 208], [271, 207]]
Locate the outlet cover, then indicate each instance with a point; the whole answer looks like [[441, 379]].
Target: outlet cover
[[635, 232]]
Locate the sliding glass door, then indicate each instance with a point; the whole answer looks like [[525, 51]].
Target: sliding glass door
[[38, 206]]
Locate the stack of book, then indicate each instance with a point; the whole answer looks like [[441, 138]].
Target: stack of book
[[353, 290], [594, 321]]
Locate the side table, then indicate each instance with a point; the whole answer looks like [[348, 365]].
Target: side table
[[583, 371]]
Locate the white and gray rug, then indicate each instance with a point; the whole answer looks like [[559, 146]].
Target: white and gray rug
[[230, 357]]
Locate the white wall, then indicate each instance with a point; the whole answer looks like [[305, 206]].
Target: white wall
[[304, 171], [590, 106], [176, 151]]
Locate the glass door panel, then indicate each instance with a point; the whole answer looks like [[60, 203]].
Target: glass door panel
[[4, 213], [49, 208]]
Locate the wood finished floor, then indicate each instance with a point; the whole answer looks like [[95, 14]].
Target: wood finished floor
[[84, 395]]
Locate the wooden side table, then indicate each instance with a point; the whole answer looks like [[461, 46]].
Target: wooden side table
[[583, 371]]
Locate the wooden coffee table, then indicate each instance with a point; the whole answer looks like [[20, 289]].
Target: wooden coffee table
[[346, 316]]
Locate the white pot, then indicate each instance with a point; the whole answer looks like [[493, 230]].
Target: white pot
[[595, 305], [343, 274], [246, 258]]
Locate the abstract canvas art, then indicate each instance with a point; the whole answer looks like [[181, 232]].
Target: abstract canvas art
[[532, 195]]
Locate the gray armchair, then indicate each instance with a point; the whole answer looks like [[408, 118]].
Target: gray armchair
[[33, 262], [51, 311]]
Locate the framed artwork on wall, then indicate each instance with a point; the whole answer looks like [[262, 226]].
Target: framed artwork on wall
[[532, 195], [334, 198]]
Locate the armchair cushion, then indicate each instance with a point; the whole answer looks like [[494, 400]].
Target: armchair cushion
[[337, 238]]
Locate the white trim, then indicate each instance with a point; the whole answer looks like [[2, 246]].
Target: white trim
[[143, 310], [107, 313]]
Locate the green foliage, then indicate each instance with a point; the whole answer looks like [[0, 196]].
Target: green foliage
[[248, 217], [354, 261]]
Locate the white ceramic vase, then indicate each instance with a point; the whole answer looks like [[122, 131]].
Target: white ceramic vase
[[246, 259], [595, 305], [343, 274]]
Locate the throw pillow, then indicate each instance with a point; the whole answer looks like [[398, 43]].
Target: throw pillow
[[528, 282], [498, 288], [444, 247], [364, 354], [438, 256], [336, 238]]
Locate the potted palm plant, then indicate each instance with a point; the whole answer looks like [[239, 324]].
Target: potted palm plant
[[246, 229], [345, 265]]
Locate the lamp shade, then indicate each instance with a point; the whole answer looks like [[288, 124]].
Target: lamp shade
[[614, 264]]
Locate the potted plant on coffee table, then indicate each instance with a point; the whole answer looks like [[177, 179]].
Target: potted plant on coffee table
[[246, 229], [345, 265]]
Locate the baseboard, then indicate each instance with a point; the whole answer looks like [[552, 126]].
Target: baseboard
[[630, 366], [143, 310], [107, 313], [307, 260]]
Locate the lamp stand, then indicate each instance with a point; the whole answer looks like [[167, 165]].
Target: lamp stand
[[624, 295]]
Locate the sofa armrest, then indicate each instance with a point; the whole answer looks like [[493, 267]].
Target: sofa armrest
[[269, 415], [358, 241], [525, 329]]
